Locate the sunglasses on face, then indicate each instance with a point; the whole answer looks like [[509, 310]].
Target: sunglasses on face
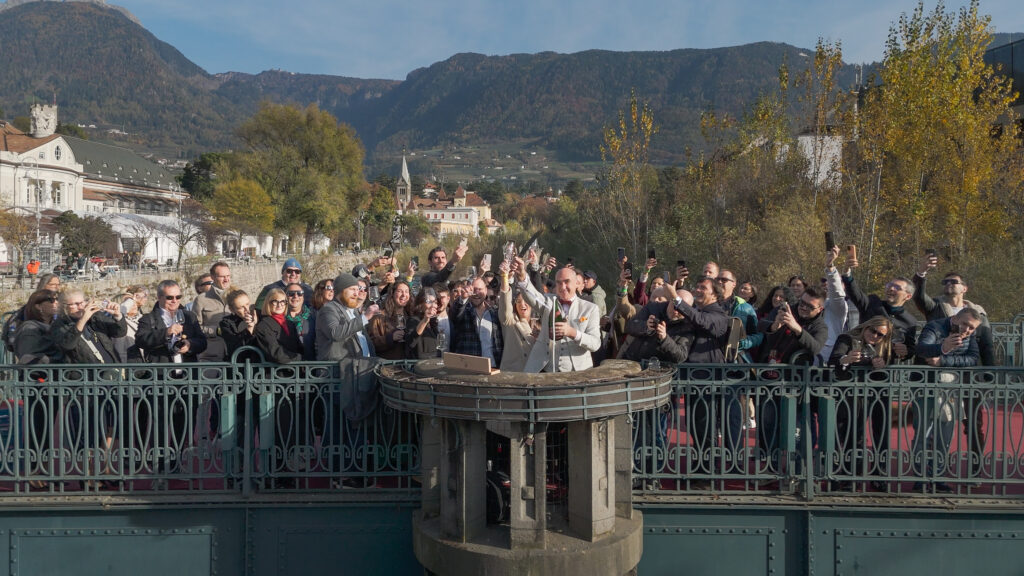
[[291, 271], [362, 288], [293, 293], [210, 283], [895, 286], [876, 332], [172, 296], [328, 288], [952, 281], [54, 299]]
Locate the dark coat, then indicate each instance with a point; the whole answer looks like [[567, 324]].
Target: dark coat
[[152, 338], [421, 346], [235, 333], [903, 321], [787, 345], [104, 327], [711, 332], [33, 344], [277, 346]]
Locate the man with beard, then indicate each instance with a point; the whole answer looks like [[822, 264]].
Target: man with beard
[[570, 326], [710, 409], [476, 330], [340, 328], [440, 267], [341, 336], [790, 339]]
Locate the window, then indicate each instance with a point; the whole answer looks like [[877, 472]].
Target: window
[[57, 153], [42, 154]]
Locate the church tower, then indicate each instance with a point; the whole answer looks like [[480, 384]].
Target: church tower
[[403, 191]]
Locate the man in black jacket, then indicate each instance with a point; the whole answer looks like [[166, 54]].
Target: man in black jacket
[[440, 267], [790, 339], [898, 292], [85, 329], [712, 409], [171, 334]]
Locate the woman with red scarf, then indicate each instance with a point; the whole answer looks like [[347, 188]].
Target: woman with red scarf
[[274, 334], [279, 340]]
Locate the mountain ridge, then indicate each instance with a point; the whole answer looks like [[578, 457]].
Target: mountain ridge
[[562, 101]]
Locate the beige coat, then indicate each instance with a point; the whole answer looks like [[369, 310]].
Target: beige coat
[[518, 335]]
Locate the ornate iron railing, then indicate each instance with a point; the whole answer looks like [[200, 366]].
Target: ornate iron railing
[[905, 430], [235, 427], [256, 427]]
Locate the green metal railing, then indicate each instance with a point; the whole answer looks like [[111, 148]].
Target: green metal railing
[[213, 426], [904, 430], [255, 427]]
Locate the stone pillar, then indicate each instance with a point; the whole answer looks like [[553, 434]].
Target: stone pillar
[[463, 479], [591, 478], [430, 466], [623, 467], [528, 508]]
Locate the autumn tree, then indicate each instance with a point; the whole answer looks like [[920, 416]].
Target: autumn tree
[[620, 211], [926, 149], [242, 207], [310, 165], [19, 234]]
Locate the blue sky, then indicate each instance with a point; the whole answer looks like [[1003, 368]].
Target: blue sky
[[389, 38]]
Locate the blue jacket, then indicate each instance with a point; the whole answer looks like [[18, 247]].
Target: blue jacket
[[929, 345]]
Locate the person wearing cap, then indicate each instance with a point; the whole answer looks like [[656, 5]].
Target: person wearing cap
[[593, 292], [291, 273], [341, 325]]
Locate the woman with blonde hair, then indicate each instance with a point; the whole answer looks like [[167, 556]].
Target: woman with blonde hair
[[869, 346]]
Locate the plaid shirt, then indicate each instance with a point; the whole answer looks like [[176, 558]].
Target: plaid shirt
[[465, 337]]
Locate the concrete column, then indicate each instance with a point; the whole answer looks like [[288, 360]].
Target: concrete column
[[528, 509], [623, 468], [591, 478], [463, 480], [430, 466]]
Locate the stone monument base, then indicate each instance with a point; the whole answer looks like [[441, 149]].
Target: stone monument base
[[489, 553]]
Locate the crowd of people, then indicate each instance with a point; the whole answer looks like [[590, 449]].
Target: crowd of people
[[531, 315]]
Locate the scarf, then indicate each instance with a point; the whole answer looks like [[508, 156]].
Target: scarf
[[300, 318], [279, 318]]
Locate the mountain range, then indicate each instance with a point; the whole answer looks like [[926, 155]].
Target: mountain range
[[103, 68]]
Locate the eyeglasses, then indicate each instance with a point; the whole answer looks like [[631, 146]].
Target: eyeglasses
[[328, 288], [952, 281], [278, 302], [172, 296], [293, 293], [876, 332], [291, 271], [722, 280], [807, 305]]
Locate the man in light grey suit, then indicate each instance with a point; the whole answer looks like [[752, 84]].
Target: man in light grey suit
[[577, 328]]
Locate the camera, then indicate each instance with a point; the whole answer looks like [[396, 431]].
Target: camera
[[181, 343]]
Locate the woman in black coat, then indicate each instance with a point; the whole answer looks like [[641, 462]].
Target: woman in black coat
[[279, 341], [274, 335]]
